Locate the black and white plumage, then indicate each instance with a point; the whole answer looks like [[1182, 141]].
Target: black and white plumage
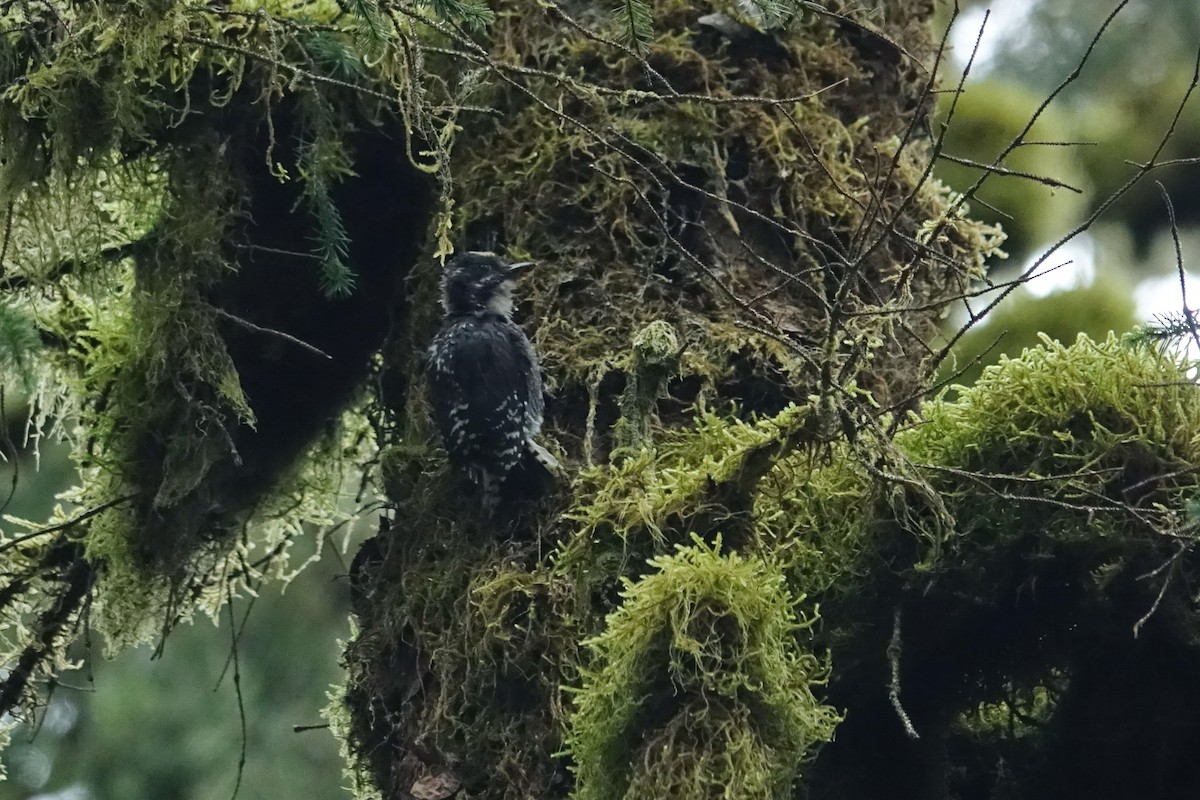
[[483, 375]]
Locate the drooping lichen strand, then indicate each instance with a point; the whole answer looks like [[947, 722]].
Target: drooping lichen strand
[[150, 156], [700, 687]]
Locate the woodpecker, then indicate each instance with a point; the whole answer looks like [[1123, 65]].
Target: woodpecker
[[483, 375]]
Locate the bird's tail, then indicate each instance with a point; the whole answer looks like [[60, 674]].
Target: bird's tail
[[544, 457], [499, 494]]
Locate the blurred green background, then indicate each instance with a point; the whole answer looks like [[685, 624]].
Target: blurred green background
[[168, 728], [1123, 270]]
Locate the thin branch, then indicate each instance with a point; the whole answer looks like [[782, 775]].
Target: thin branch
[[997, 170], [61, 526], [1100, 210], [893, 656], [1041, 143], [237, 689], [1169, 564], [220, 312], [292, 69]]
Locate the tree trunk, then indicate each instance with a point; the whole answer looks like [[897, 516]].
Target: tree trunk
[[755, 198]]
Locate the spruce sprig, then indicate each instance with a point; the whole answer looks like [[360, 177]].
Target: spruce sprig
[[330, 53], [331, 239], [322, 160], [370, 25], [1166, 330], [635, 25], [471, 13]]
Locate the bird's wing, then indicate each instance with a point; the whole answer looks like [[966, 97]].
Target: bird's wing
[[480, 388]]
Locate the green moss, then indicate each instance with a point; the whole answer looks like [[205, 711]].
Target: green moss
[[1024, 715], [671, 697], [639, 201], [700, 687], [825, 534], [1055, 400], [488, 633], [1084, 448], [655, 356], [145, 587], [126, 189], [337, 714], [496, 626], [643, 494], [645, 209]]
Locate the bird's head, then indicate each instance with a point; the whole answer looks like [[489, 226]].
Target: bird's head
[[476, 282]]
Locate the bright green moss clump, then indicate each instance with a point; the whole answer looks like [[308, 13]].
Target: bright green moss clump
[[1080, 442], [701, 687], [1065, 476], [648, 491], [1119, 390]]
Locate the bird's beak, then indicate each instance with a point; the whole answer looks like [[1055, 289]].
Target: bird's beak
[[515, 270]]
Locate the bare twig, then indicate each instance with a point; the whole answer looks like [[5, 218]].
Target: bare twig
[[223, 314], [893, 655], [1100, 210], [237, 689], [966, 162], [62, 526]]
